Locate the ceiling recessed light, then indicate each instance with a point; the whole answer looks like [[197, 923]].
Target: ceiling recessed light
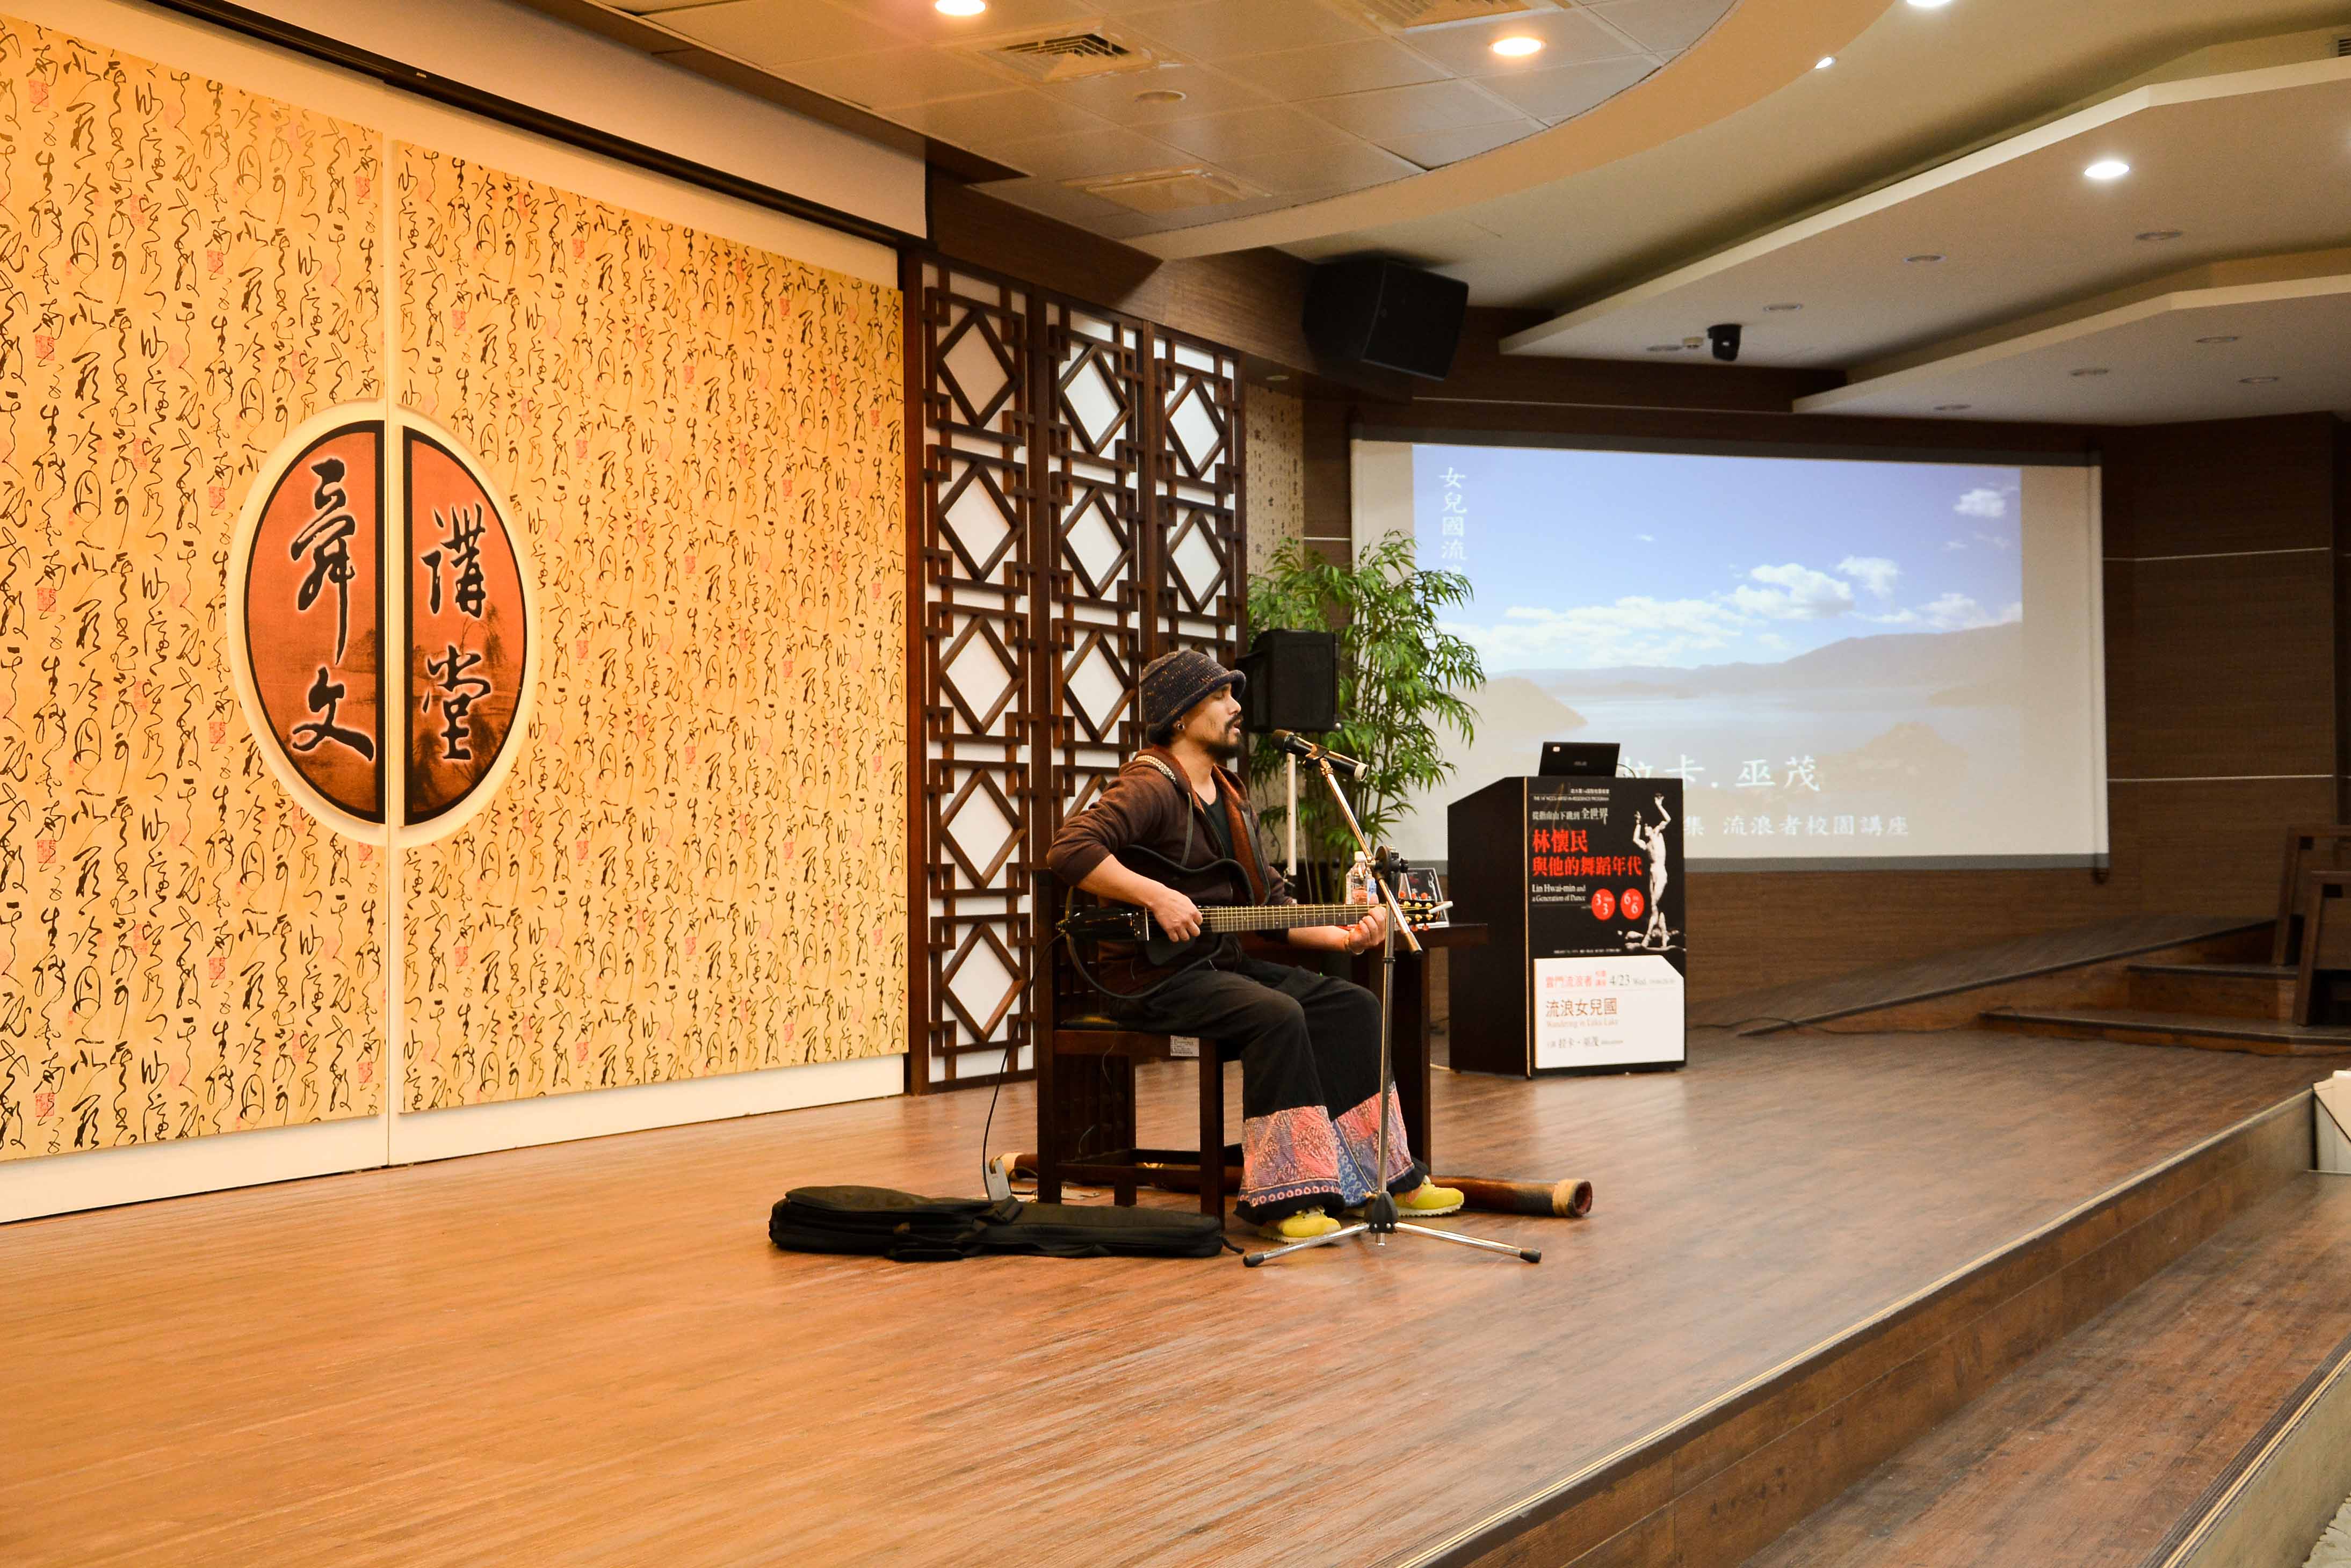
[[1517, 46], [959, 7], [2159, 235], [2223, 337], [1278, 375], [1924, 257], [1161, 95], [2093, 370], [1928, 5], [2255, 380], [2106, 169], [1825, 62], [1664, 348], [1791, 305], [1953, 408]]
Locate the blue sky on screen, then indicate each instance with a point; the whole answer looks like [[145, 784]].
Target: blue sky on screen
[[1592, 560]]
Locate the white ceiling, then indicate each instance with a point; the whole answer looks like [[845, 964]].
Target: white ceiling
[[2248, 163], [1289, 101], [2208, 349]]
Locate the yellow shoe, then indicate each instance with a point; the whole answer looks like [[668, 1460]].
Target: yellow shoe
[[1302, 1227], [1427, 1200]]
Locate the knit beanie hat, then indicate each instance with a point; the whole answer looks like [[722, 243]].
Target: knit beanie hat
[[1174, 683]]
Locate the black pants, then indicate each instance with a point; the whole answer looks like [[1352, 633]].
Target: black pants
[[1310, 1089]]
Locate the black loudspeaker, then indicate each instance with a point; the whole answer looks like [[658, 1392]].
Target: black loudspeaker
[[1293, 681], [1386, 314]]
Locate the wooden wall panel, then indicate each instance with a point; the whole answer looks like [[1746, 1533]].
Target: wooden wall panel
[[2221, 486], [2231, 666], [189, 272], [695, 867], [1276, 482]]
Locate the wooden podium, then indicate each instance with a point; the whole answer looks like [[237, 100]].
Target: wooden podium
[[1585, 970]]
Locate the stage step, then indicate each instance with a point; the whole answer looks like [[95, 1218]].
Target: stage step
[[2210, 1032], [2218, 989], [2114, 1445]]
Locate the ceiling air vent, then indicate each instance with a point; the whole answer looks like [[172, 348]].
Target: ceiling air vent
[[1404, 16], [1160, 191], [2342, 47], [1062, 57]]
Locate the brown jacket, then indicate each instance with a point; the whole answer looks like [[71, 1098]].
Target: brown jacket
[[1142, 806]]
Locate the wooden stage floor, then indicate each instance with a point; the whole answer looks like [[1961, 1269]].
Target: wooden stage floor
[[589, 1354]]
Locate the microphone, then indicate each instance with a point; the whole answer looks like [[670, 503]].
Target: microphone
[[1300, 747]]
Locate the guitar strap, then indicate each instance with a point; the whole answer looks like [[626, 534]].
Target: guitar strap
[[1244, 842]]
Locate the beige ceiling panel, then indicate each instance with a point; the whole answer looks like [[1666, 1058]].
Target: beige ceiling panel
[[2273, 349], [1668, 27], [1568, 37], [773, 33], [1218, 30], [1111, 150], [1055, 200], [921, 20], [1401, 111], [2246, 164], [1119, 96], [893, 79], [1566, 91], [1322, 171], [991, 119], [1249, 133], [1434, 149], [1364, 67]]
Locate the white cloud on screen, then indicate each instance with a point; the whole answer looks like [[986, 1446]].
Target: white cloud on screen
[[1874, 573], [1792, 593], [1633, 630], [1996, 541], [1954, 611], [1982, 502]]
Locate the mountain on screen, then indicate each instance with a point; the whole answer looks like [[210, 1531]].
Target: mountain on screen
[[1959, 667]]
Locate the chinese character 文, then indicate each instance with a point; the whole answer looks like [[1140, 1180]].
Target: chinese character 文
[[326, 540], [456, 691], [462, 547], [325, 696]]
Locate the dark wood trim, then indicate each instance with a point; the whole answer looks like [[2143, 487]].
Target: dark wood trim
[[918, 893], [508, 111]]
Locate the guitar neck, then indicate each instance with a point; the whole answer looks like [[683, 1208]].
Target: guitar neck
[[1278, 917]]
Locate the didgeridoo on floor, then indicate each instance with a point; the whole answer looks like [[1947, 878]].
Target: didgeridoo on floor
[[1569, 1199]]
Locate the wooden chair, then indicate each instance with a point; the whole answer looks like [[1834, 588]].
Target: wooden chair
[[2325, 941], [2307, 849], [1085, 1091]]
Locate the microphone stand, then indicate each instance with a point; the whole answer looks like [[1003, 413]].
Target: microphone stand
[[1379, 1221]]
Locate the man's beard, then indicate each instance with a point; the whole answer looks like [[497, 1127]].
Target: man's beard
[[1227, 746]]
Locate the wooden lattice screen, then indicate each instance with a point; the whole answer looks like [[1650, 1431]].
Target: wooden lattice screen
[[1074, 503]]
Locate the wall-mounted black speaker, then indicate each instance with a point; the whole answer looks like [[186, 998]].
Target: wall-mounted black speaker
[[1293, 681], [1386, 314]]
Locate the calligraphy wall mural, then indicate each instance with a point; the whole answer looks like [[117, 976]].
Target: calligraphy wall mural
[[697, 866], [597, 625], [1276, 474], [188, 272]]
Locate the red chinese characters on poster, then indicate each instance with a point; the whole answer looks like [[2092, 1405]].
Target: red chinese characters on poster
[[468, 635], [313, 644]]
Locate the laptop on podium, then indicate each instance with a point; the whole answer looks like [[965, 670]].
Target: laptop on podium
[[1578, 760]]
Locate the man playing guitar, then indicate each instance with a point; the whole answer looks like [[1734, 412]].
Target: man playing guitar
[[1310, 1044]]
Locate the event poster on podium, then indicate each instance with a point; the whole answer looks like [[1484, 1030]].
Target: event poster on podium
[[1604, 930]]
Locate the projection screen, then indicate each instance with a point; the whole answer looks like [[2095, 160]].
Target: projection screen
[[1850, 660]]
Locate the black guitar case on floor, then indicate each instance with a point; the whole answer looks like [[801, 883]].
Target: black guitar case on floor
[[880, 1221]]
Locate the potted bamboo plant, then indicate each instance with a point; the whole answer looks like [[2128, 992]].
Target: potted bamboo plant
[[1400, 675]]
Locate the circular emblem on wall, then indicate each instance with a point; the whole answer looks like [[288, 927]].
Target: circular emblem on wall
[[372, 543]]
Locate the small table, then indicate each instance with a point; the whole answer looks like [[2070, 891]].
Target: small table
[[1408, 1022]]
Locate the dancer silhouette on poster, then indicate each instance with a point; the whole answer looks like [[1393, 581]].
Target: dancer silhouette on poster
[[1650, 839]]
